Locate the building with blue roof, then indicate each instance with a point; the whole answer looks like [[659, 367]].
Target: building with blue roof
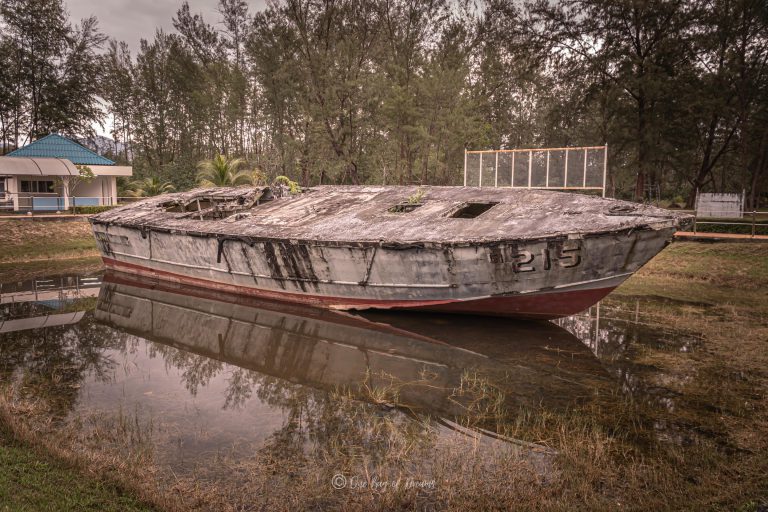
[[44, 176], [56, 146]]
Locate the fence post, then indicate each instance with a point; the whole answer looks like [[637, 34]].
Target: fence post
[[546, 182], [530, 163], [584, 176], [512, 178], [565, 179], [496, 171], [754, 217], [480, 182], [465, 168], [605, 167]]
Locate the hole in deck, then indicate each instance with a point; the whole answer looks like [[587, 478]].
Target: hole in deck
[[218, 206], [172, 206], [404, 207], [472, 210]]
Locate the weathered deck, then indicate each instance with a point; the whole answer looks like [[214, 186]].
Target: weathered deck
[[364, 214]]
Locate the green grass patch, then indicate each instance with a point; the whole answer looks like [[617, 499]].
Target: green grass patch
[[721, 274], [14, 272], [33, 481], [90, 210], [46, 250], [25, 240]]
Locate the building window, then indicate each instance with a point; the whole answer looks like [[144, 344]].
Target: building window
[[40, 187], [2, 185]]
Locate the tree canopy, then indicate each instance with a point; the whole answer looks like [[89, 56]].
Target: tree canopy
[[394, 91]]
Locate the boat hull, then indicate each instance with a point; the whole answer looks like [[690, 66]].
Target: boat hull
[[546, 279], [536, 304]]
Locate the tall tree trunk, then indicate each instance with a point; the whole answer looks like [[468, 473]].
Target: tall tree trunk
[[642, 149]]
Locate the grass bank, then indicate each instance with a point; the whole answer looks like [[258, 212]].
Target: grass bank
[[728, 276], [13, 272], [33, 480], [26, 241]]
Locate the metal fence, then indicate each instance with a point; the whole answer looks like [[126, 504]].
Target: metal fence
[[714, 218], [573, 168], [53, 203], [50, 289]]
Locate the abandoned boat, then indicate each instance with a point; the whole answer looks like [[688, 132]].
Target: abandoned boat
[[488, 251]]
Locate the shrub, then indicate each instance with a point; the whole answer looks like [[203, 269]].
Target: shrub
[[89, 210]]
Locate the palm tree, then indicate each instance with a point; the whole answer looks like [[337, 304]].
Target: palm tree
[[222, 172], [149, 187]]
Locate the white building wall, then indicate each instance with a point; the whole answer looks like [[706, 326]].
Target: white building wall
[[100, 187]]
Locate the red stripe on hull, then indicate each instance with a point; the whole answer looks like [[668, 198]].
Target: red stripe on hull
[[544, 305]]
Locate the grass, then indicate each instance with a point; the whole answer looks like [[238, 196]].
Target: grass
[[722, 274], [691, 434], [13, 272], [25, 240], [32, 480]]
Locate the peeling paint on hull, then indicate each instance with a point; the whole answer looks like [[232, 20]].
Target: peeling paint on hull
[[542, 274]]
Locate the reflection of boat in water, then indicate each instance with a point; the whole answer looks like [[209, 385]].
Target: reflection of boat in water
[[426, 359]]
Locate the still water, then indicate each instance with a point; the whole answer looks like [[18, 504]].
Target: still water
[[205, 374]]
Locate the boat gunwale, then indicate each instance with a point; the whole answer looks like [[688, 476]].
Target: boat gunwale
[[145, 219], [388, 244]]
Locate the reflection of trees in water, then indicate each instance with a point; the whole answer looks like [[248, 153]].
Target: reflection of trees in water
[[625, 330], [612, 340], [332, 422], [337, 426], [239, 388], [196, 371], [51, 363]]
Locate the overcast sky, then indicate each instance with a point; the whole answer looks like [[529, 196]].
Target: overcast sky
[[132, 20]]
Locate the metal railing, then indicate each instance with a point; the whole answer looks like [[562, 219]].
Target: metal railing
[[752, 224], [571, 168], [54, 203], [48, 289]]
